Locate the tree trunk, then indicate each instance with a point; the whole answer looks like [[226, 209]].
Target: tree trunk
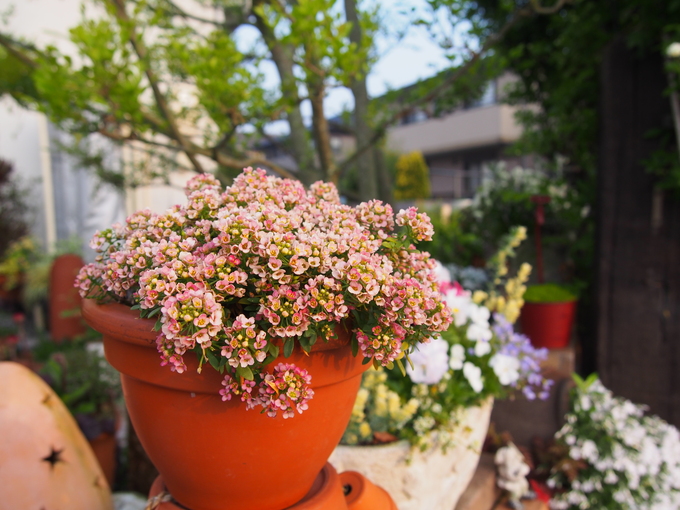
[[638, 239], [300, 145], [385, 182], [321, 132], [368, 182]]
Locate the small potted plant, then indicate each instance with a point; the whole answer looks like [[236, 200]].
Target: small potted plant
[[13, 268], [548, 315], [262, 296], [612, 455], [420, 437]]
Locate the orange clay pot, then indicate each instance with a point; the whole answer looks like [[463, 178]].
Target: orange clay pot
[[210, 452]]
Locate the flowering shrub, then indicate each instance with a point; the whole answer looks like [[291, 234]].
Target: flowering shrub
[[479, 356], [241, 274], [505, 295], [17, 261], [624, 459]]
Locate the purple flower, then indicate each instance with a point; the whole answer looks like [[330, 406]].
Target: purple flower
[[518, 346]]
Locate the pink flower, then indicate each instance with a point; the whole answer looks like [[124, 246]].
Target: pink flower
[[229, 270]]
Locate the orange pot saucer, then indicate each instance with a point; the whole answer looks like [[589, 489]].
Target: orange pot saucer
[[348, 491]]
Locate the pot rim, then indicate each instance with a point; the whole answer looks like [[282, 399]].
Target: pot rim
[[107, 318]]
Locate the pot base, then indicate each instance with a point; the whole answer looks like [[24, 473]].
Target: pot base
[[347, 491]]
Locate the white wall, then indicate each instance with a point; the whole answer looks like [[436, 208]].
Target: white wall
[[80, 208], [20, 144]]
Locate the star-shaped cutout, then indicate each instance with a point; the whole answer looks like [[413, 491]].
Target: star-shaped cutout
[[53, 457]]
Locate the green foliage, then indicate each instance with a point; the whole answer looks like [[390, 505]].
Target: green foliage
[[413, 177], [452, 243], [170, 80], [13, 208], [16, 78], [466, 89], [504, 201], [664, 162], [81, 377], [557, 60], [17, 260], [27, 262], [548, 293]]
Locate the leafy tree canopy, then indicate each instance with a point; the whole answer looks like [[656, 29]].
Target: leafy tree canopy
[[169, 79]]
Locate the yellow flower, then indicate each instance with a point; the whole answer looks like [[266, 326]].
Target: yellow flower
[[524, 272], [479, 296]]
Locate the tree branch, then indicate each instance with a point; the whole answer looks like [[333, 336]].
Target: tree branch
[[218, 157], [176, 10], [163, 107], [540, 9], [9, 44]]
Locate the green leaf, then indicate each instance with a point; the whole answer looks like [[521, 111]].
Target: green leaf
[[85, 408], [273, 350], [245, 372], [53, 370], [155, 311], [158, 325], [355, 345], [216, 363], [72, 397], [366, 361], [288, 347], [307, 341]]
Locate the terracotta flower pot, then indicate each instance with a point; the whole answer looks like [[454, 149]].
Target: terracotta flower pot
[[548, 324], [104, 448], [210, 452]]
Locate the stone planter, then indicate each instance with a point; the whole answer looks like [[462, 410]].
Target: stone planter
[[429, 480]]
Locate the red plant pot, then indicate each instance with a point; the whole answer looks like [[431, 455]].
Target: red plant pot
[[210, 452], [548, 324]]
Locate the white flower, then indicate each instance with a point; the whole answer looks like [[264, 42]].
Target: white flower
[[589, 450], [673, 50], [611, 478], [457, 357], [430, 362], [479, 315], [482, 348], [505, 367], [512, 470], [479, 332], [459, 304], [473, 374], [441, 274]]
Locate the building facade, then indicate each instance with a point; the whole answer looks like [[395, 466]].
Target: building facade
[[459, 146]]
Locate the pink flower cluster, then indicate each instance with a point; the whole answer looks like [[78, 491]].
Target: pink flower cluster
[[419, 223], [230, 271], [287, 389]]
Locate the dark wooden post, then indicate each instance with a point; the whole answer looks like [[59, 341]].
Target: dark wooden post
[[638, 239]]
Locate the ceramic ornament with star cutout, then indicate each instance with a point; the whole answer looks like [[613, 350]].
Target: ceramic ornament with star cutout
[[45, 461]]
